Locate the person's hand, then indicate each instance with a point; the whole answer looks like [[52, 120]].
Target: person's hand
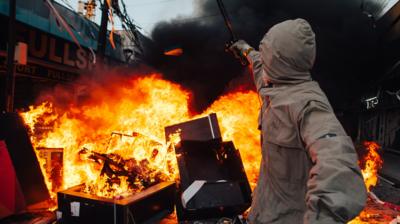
[[240, 49], [240, 46]]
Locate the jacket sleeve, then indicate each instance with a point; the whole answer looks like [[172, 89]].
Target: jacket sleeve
[[335, 189], [255, 61]]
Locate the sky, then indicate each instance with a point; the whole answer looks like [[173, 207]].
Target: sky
[[147, 13]]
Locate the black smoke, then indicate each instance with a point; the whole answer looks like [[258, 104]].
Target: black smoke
[[347, 46]]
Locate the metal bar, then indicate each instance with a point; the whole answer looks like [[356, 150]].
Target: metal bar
[[392, 151], [10, 77], [386, 180]]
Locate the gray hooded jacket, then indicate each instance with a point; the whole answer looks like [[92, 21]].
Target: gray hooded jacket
[[309, 171]]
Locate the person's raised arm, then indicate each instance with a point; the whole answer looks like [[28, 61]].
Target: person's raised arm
[[254, 58]]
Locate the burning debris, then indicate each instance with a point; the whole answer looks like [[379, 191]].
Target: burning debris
[[120, 176], [53, 163], [138, 175], [138, 109], [376, 211]]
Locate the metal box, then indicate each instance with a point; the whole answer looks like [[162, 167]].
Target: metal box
[[201, 129], [147, 206], [226, 191]]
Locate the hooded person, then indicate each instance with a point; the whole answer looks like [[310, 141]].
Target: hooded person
[[309, 171]]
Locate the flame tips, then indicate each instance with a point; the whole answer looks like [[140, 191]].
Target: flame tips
[[371, 164], [174, 52]]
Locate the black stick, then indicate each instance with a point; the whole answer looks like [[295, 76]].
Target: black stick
[[10, 78], [102, 38], [226, 20]]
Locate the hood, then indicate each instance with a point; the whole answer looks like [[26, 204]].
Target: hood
[[288, 52]]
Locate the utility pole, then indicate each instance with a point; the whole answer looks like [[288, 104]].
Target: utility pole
[[102, 38], [10, 77]]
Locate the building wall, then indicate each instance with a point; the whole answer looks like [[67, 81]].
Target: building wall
[[35, 13], [53, 57]]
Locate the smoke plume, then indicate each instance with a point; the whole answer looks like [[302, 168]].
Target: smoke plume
[[345, 43]]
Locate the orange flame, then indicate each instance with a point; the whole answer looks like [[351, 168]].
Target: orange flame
[[138, 110], [370, 165], [373, 163], [174, 52]]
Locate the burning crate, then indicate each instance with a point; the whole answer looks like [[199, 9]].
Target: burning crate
[[213, 183], [147, 206]]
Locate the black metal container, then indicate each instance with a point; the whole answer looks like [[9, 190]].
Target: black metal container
[[204, 158], [147, 206], [226, 192]]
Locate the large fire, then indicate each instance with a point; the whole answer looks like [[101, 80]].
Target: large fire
[[126, 121]]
